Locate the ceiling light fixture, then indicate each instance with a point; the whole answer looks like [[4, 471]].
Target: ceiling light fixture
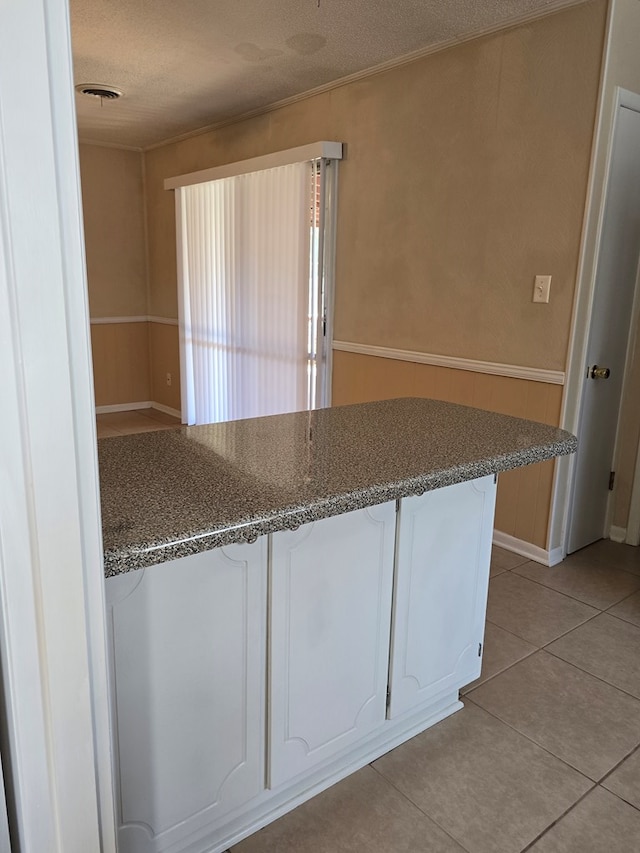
[[99, 90]]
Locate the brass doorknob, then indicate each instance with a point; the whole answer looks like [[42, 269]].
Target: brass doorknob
[[599, 372]]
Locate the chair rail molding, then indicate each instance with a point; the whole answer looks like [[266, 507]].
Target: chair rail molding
[[533, 374]]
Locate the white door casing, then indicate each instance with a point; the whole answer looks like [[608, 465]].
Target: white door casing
[[442, 576], [57, 765], [330, 609], [617, 267]]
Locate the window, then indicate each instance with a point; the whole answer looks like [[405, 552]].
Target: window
[[255, 268]]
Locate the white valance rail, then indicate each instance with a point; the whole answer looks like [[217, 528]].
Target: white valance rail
[[301, 154]]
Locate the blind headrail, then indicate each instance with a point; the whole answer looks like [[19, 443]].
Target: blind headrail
[[313, 151]]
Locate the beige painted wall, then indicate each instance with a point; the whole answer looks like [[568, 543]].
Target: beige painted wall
[[164, 356], [465, 176], [120, 363], [524, 495], [113, 209]]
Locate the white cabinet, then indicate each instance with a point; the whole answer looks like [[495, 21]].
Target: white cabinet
[[188, 648], [247, 678], [330, 594], [442, 576]]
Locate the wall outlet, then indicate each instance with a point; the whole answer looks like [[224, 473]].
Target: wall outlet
[[168, 379], [541, 288]]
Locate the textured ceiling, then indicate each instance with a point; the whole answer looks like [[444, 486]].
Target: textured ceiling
[[188, 64]]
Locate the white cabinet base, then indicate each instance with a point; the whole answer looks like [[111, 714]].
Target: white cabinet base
[[442, 577], [276, 802], [248, 679]]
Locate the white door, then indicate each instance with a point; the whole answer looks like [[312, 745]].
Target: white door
[[442, 576], [612, 308], [330, 597]]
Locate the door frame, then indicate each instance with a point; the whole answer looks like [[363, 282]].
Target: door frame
[[632, 533], [55, 734], [597, 194]]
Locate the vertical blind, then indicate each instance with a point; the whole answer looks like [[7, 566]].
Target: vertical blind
[[244, 266]]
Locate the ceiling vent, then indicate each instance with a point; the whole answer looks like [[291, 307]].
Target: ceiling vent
[[99, 90]]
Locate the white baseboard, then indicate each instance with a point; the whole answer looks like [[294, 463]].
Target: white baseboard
[[167, 410], [129, 407], [526, 549], [617, 534], [122, 407], [141, 318]]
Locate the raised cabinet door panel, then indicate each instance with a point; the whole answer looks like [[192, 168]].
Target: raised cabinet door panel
[[442, 575], [330, 605], [187, 650]]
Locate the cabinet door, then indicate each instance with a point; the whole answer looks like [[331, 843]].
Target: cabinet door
[[187, 649], [442, 576], [330, 601]]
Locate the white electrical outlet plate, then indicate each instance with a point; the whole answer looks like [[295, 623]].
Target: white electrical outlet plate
[[541, 288]]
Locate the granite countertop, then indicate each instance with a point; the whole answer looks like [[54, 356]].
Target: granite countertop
[[176, 492]]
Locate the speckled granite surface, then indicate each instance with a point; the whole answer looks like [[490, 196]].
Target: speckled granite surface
[[176, 492]]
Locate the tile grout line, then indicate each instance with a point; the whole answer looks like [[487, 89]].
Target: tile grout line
[[535, 742], [501, 672], [557, 591], [573, 597], [415, 805], [613, 769], [580, 668], [558, 819], [564, 633]]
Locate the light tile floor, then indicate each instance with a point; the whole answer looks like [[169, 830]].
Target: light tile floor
[[545, 755], [139, 420]]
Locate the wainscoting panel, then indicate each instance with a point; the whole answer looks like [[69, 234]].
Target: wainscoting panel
[[524, 495], [120, 362]]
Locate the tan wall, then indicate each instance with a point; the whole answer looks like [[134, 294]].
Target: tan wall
[[164, 356], [113, 209], [524, 495], [465, 176], [120, 363]]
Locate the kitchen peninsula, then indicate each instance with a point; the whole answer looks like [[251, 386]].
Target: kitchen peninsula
[[290, 597]]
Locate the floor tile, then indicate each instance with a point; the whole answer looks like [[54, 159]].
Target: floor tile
[[104, 431], [506, 559], [625, 781], [596, 584], [130, 422], [161, 417], [600, 822], [613, 554], [111, 418], [628, 609], [585, 722], [531, 611], [361, 813], [607, 648], [501, 650], [486, 785]]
